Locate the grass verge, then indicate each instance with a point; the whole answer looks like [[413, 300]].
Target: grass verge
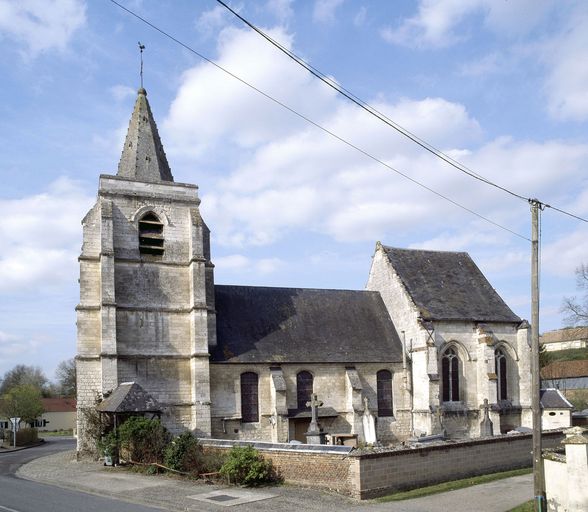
[[572, 354], [452, 486]]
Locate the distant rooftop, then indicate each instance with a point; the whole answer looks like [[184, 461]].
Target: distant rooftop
[[59, 404], [565, 334]]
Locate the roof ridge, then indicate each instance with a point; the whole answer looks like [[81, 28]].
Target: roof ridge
[[389, 247], [293, 288]]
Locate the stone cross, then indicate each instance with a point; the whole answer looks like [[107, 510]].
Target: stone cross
[[314, 404], [486, 427], [486, 408]]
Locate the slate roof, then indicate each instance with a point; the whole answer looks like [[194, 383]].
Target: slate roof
[[129, 397], [143, 157], [294, 325], [448, 286], [553, 399]]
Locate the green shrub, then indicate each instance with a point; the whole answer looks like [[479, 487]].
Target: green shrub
[[246, 466], [142, 440], [184, 454], [108, 445]]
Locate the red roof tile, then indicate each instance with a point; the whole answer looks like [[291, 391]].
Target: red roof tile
[[59, 404]]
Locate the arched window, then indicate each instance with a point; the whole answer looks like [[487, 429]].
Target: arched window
[[150, 234], [450, 375], [501, 385], [304, 386], [249, 397], [384, 381]]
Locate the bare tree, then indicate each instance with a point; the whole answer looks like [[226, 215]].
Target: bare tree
[[576, 309], [66, 378], [24, 375]]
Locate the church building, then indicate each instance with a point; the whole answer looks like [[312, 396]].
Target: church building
[[418, 351]]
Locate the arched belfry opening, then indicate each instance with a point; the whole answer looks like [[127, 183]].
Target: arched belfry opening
[[151, 235]]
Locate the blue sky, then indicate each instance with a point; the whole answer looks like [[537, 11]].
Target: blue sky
[[500, 86]]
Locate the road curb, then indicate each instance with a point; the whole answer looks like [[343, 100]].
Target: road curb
[[20, 448]]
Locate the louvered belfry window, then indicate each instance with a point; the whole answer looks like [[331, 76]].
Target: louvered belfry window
[[304, 385], [384, 381], [500, 359], [450, 375], [249, 397], [150, 234]]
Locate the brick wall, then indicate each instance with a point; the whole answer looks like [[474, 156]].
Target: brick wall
[[370, 475], [379, 474], [321, 467]]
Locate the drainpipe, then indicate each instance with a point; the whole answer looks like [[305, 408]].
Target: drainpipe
[[406, 377]]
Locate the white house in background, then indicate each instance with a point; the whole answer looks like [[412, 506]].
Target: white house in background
[[557, 411], [565, 339], [60, 414]]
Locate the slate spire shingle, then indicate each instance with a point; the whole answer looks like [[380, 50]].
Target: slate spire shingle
[[143, 157]]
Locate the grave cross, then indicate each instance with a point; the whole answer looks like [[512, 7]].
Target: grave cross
[[314, 404], [486, 427], [486, 408]]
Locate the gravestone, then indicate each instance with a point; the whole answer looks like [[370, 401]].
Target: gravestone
[[486, 427], [315, 434]]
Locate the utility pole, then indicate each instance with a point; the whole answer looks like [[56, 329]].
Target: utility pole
[[538, 476]]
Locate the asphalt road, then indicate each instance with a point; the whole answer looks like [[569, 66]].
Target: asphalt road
[[18, 495]]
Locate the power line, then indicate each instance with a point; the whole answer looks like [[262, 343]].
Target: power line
[[382, 117], [320, 127]]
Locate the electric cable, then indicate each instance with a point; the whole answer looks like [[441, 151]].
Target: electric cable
[[374, 112], [320, 127]]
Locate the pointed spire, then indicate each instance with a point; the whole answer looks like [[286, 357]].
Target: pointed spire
[[143, 158]]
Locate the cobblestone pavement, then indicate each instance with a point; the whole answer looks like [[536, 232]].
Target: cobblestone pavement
[[173, 494]]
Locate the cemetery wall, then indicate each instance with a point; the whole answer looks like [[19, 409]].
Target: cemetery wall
[[367, 475]]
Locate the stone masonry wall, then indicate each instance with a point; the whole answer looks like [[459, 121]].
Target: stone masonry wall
[[329, 384]]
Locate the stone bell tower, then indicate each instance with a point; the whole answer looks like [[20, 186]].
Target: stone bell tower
[[146, 311]]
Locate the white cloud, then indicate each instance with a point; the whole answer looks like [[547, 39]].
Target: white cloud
[[238, 115], [122, 92], [486, 65], [360, 17], [565, 56], [212, 20], [237, 263], [41, 237], [324, 10], [281, 9], [297, 178], [41, 25], [562, 256], [11, 345], [439, 23]]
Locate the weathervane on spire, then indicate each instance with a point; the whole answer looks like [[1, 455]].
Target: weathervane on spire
[[141, 48]]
